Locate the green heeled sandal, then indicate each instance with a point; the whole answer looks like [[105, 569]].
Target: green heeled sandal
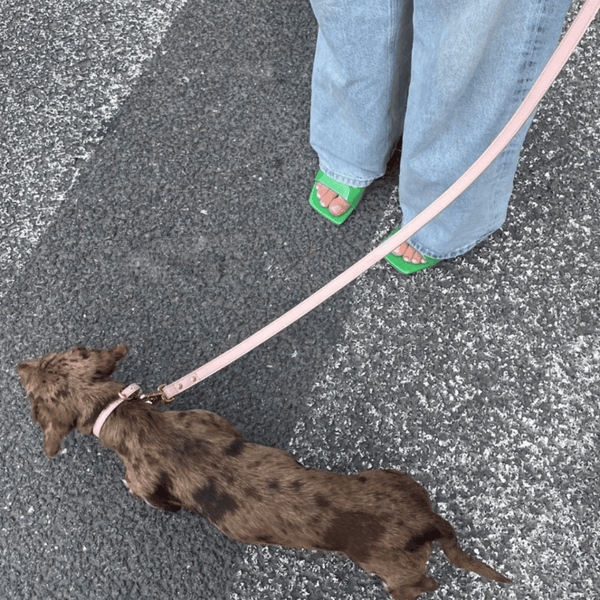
[[350, 194]]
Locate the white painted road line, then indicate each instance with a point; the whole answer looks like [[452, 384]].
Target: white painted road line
[[65, 71]]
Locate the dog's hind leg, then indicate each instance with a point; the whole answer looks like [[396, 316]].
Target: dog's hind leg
[[405, 575]]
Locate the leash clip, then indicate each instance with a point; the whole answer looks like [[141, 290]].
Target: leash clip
[[158, 397]]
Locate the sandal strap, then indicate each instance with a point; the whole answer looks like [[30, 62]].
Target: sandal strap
[[349, 193]]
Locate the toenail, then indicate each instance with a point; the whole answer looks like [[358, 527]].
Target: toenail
[[336, 210]]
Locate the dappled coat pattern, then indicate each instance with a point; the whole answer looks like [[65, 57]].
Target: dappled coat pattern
[[381, 519]]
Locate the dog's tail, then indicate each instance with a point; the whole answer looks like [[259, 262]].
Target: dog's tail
[[457, 556]]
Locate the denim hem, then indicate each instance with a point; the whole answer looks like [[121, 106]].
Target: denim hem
[[455, 253], [346, 180]]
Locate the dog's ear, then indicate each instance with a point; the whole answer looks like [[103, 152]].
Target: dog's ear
[[54, 433], [110, 358], [100, 364], [45, 382], [119, 352], [54, 421]]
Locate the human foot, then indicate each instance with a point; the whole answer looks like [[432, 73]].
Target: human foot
[[329, 199], [407, 260], [409, 254], [334, 200]]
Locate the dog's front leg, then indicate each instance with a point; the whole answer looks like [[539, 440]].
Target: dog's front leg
[[133, 493], [132, 489], [127, 484], [160, 499], [132, 486]]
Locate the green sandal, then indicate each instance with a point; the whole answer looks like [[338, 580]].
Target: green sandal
[[406, 267], [350, 194]]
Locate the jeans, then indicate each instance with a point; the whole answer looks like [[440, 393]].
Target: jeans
[[446, 76]]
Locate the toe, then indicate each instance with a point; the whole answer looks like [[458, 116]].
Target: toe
[[400, 250], [327, 196], [338, 206], [320, 190], [330, 199], [409, 254]]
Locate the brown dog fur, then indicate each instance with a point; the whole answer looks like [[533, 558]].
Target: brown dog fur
[[383, 520]]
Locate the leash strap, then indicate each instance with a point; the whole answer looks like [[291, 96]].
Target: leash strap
[[540, 87]]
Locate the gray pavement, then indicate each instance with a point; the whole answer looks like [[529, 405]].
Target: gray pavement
[[156, 168]]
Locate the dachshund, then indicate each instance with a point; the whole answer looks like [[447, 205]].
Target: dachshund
[[381, 519]]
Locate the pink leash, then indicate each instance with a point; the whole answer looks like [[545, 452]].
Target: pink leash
[[548, 75]]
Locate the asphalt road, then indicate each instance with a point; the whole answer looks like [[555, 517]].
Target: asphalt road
[[155, 174]]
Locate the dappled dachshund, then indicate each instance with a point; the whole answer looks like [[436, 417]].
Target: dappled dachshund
[[383, 520]]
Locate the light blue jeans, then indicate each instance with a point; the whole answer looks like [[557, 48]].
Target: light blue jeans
[[446, 75]]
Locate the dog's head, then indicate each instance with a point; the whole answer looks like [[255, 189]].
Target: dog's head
[[68, 390]]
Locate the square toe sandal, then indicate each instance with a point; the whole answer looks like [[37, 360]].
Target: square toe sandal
[[350, 194], [406, 267]]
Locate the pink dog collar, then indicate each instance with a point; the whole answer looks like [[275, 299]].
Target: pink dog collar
[[123, 395]]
